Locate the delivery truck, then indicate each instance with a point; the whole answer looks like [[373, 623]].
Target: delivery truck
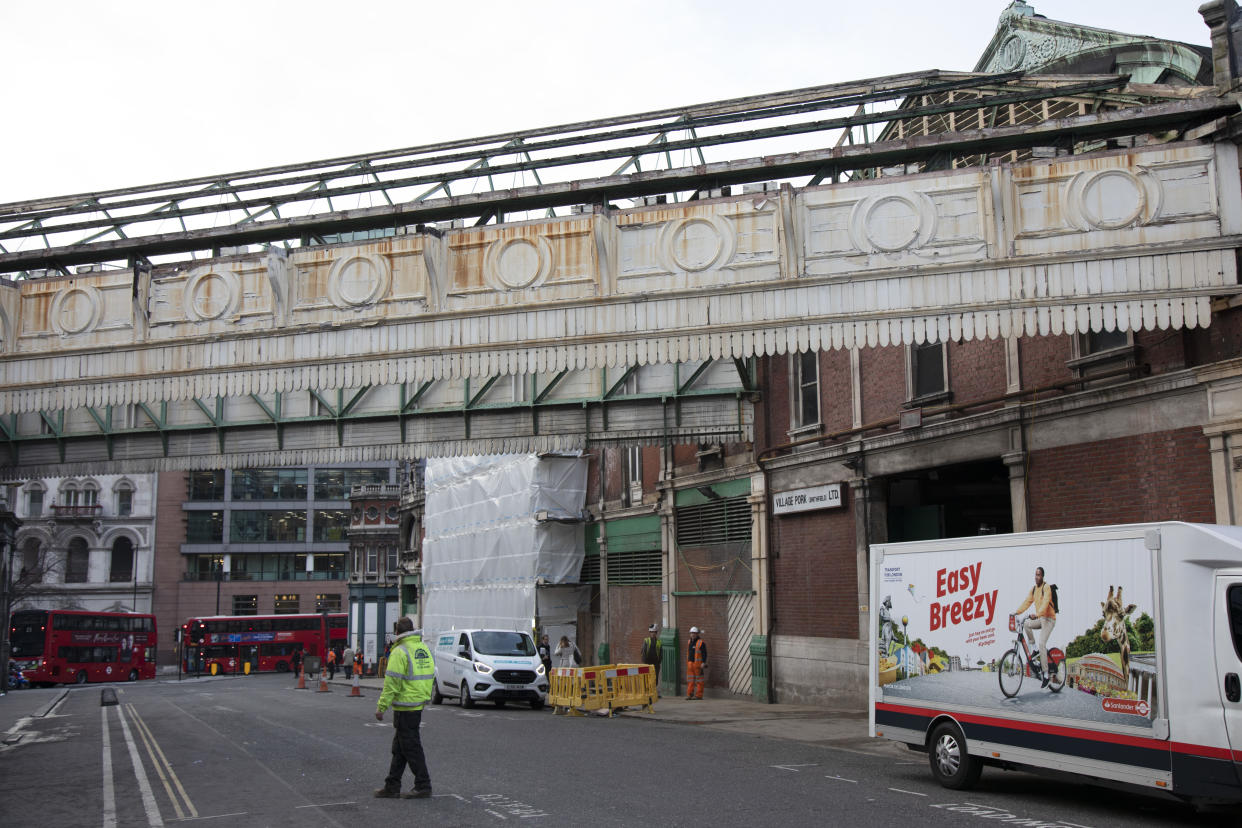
[[1141, 685]]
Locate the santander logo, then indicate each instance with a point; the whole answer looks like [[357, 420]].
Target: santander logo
[[1135, 707]]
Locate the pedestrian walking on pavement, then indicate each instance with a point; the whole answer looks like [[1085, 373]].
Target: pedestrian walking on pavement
[[297, 662], [567, 654], [696, 665], [545, 653], [347, 661], [331, 664], [653, 651], [407, 688]]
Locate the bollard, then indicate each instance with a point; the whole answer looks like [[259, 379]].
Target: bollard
[[355, 692], [215, 667], [246, 668]]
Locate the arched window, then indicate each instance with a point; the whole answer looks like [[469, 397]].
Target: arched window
[[34, 500], [32, 562], [77, 562], [122, 566], [90, 493], [69, 494], [124, 491]]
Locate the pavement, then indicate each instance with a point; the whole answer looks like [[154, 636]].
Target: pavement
[[840, 728]]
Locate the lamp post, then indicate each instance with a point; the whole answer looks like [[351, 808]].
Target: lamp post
[[218, 566], [8, 526]]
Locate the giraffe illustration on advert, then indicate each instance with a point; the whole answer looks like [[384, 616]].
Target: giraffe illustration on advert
[[1115, 627]]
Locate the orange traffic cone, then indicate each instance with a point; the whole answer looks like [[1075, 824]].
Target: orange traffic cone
[[301, 679], [355, 692], [323, 683]]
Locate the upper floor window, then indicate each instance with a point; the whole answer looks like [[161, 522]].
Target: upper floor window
[[32, 562], [928, 375], [1102, 352], [124, 498], [77, 562], [121, 567], [90, 494], [391, 558], [269, 484], [287, 604], [206, 485], [806, 390], [34, 502]]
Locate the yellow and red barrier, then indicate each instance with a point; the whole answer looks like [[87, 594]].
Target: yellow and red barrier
[[577, 691]]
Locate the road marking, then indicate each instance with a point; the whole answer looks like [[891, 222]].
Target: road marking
[[843, 779], [213, 816], [161, 764], [109, 792], [912, 793], [144, 785], [910, 763], [794, 768], [326, 805]]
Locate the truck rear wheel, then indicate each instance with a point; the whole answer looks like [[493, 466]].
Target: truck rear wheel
[[1009, 671], [951, 765]]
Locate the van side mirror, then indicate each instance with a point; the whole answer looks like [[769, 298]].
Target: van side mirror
[[463, 653]]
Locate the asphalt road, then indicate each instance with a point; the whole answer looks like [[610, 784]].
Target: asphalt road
[[255, 751]]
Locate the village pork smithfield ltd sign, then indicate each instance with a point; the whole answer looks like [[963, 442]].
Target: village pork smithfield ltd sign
[[804, 500]]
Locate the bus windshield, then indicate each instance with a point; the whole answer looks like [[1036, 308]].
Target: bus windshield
[[27, 634], [504, 643]]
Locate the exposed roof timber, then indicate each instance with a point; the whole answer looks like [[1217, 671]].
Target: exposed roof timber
[[1138, 120], [662, 144]]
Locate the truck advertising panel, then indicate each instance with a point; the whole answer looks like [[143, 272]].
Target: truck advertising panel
[[944, 636]]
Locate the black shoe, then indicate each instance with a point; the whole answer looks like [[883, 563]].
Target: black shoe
[[386, 793], [1044, 683], [417, 794]]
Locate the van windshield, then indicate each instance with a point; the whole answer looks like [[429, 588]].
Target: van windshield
[[503, 643]]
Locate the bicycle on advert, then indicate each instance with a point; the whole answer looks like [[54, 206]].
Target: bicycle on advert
[[1015, 663]]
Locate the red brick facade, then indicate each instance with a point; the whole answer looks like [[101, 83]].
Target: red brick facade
[[1160, 476], [815, 574]]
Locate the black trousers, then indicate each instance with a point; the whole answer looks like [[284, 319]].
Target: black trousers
[[407, 749]]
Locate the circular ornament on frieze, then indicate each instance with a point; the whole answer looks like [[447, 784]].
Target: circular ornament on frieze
[[698, 243], [358, 279], [1110, 199], [75, 310], [512, 264], [1011, 53], [211, 293], [892, 223]]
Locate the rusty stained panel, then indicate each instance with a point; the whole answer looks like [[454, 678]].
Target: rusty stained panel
[[384, 278], [93, 310], [525, 262]]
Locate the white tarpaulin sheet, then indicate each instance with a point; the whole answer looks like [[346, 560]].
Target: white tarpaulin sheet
[[495, 527]]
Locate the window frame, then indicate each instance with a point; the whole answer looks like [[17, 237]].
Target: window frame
[[915, 397], [798, 393]]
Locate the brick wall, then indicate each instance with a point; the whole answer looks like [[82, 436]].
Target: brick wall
[[976, 369], [836, 407], [1161, 476], [169, 567], [710, 614], [815, 573], [1042, 360], [883, 382], [631, 609]]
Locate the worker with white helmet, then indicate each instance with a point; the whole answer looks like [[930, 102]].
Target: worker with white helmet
[[696, 664]]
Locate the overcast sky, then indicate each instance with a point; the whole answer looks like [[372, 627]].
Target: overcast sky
[[102, 95]]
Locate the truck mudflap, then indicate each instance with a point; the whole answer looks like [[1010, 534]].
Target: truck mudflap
[[1196, 771]]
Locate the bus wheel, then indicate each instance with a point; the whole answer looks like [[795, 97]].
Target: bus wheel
[[951, 765], [282, 666], [133, 675], [80, 678]]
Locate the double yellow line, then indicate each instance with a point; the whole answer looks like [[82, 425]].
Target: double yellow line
[[163, 769]]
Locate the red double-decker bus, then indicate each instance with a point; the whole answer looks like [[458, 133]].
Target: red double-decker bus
[[265, 642], [64, 646]]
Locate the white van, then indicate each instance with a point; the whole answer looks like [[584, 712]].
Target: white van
[[488, 665], [1142, 684]]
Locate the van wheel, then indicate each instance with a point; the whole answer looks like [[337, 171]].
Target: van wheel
[[133, 675], [80, 678], [951, 765], [436, 698], [467, 701]]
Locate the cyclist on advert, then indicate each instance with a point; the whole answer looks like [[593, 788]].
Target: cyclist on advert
[[1042, 618]]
